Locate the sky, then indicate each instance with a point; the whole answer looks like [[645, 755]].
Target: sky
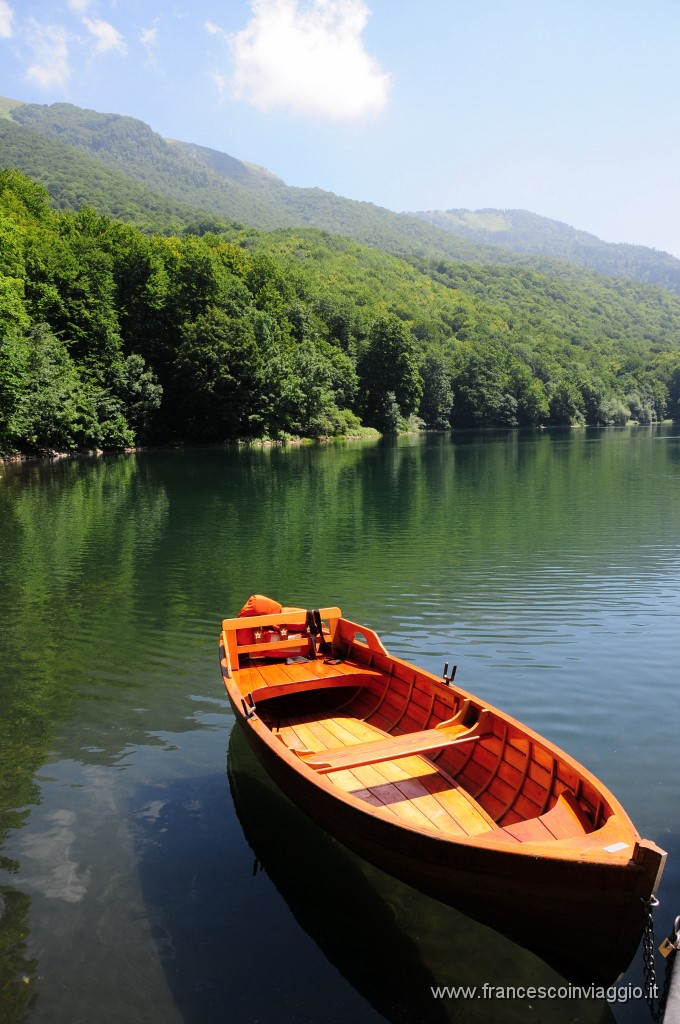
[[567, 108]]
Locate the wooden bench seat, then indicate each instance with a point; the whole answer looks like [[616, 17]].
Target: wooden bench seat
[[391, 748], [296, 617]]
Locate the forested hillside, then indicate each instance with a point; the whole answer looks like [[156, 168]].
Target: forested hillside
[[158, 183], [195, 179], [152, 181], [111, 336], [75, 179]]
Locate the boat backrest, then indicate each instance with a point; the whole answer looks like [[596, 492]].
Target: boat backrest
[[237, 645]]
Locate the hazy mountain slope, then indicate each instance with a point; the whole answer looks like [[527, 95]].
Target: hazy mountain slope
[[198, 177], [588, 316], [7, 105], [225, 165], [130, 147], [529, 233], [197, 180], [75, 179]]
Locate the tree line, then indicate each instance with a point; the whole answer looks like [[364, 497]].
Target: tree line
[[111, 337]]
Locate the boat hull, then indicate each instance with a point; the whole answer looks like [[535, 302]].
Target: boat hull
[[584, 919]]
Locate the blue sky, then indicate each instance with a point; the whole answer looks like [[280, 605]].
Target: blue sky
[[567, 108]]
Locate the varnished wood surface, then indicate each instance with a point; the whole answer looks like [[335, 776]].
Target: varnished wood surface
[[389, 748], [411, 788], [263, 675]]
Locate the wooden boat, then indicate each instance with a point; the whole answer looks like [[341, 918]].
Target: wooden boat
[[440, 789]]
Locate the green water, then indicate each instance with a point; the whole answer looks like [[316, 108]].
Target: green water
[[143, 879]]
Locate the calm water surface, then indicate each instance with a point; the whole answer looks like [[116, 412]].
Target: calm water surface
[[148, 870]]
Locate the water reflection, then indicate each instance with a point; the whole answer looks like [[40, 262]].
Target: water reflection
[[17, 967], [78, 539]]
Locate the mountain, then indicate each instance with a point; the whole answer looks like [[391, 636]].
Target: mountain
[[205, 181], [122, 167], [183, 326], [525, 232]]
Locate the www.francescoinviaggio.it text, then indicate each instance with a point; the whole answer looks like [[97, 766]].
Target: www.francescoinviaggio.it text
[[612, 994]]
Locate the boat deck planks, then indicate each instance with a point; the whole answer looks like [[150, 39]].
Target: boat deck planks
[[264, 672], [412, 787]]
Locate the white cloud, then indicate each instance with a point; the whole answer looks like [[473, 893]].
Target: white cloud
[[6, 15], [309, 59], [212, 28], [49, 49], [219, 81], [107, 37], [149, 37], [79, 6]]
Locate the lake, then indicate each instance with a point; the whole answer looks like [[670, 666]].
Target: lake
[[148, 869]]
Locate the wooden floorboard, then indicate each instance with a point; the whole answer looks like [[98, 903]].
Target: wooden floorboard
[[305, 737], [469, 817], [389, 794], [326, 737], [412, 788], [360, 731]]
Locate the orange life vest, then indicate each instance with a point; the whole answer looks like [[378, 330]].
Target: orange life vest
[[258, 604]]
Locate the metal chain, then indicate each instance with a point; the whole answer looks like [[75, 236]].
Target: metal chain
[[656, 1003]]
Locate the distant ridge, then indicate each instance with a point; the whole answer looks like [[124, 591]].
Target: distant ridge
[[208, 181], [526, 232], [223, 164], [180, 181]]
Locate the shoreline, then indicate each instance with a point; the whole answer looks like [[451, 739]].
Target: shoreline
[[56, 454], [370, 434]]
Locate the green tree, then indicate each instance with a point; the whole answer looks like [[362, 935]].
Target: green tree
[[388, 374], [307, 402], [566, 403], [483, 390], [137, 389], [437, 398], [55, 409], [533, 407], [13, 387], [219, 381]]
